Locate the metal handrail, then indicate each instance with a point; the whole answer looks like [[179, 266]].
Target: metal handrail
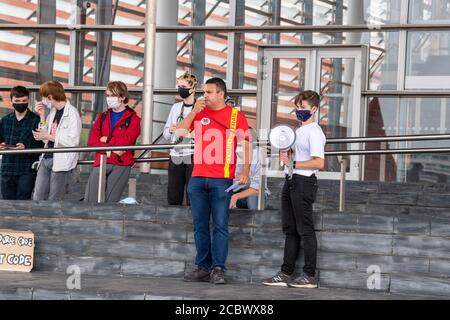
[[386, 151], [248, 29], [96, 149], [263, 155], [141, 160], [260, 143], [403, 138]]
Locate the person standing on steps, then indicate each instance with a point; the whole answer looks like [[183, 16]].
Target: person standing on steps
[[217, 129], [298, 195], [118, 126], [181, 160], [61, 129], [16, 132]]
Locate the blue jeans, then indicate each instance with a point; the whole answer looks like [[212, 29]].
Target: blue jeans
[[209, 199]]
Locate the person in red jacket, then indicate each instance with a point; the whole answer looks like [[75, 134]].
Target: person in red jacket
[[118, 126]]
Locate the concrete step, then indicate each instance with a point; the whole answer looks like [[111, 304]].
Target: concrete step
[[156, 240], [53, 286]]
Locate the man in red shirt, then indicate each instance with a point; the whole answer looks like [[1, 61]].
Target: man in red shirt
[[217, 128]]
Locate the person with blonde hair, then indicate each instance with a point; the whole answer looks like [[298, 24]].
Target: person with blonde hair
[[61, 129], [180, 163], [118, 126]]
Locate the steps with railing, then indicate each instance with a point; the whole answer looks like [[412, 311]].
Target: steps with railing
[[402, 230]]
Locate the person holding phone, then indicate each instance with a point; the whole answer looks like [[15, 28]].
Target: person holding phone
[[181, 162], [118, 126], [61, 128], [16, 128]]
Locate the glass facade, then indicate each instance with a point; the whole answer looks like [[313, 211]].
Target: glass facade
[[399, 60]]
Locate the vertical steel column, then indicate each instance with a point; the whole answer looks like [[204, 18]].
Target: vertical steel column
[[198, 41], [132, 183], [274, 38], [77, 44], [275, 10], [308, 12], [149, 58], [165, 68], [401, 75], [102, 179], [343, 163], [46, 41], [262, 157], [236, 47], [104, 15]]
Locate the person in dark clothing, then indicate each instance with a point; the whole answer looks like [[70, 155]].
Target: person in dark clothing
[[16, 132]]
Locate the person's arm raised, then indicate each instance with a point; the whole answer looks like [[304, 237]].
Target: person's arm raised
[[184, 127]]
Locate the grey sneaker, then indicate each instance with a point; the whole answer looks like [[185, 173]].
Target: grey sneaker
[[304, 281], [279, 280], [197, 275], [218, 276]]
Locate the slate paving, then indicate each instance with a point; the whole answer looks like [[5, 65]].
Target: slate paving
[[53, 286]]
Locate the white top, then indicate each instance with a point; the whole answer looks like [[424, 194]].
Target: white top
[[254, 175], [67, 135], [309, 143], [172, 119]]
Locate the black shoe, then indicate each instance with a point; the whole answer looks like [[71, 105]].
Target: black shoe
[[304, 281], [218, 276], [279, 280], [197, 275]]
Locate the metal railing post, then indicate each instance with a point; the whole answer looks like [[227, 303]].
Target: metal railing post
[[343, 163], [262, 155], [132, 188], [102, 179]]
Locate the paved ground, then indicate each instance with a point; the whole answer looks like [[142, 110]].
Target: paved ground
[[39, 285]]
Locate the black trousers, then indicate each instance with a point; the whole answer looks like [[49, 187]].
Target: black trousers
[[18, 187], [298, 196], [180, 171]]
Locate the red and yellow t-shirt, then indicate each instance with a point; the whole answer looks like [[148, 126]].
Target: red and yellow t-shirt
[[216, 137]]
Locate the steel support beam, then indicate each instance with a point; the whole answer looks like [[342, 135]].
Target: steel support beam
[[77, 45], [149, 59], [102, 68], [236, 47], [198, 41], [46, 41]]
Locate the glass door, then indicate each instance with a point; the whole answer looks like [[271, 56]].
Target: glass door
[[336, 74]]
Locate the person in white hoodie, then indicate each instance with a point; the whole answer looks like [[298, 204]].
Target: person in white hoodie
[[181, 159], [61, 128]]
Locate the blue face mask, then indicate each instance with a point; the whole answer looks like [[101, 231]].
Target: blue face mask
[[303, 115]]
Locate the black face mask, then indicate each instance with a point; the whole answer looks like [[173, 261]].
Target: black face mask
[[184, 92], [20, 107]]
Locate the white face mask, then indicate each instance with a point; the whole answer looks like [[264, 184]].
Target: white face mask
[[113, 102], [47, 103]]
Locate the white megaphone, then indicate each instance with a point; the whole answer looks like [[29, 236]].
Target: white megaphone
[[283, 137]]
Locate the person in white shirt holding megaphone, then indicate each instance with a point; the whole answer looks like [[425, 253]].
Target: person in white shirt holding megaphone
[[298, 195]]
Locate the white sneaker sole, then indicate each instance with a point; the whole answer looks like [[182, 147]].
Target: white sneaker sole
[[275, 284], [304, 286]]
